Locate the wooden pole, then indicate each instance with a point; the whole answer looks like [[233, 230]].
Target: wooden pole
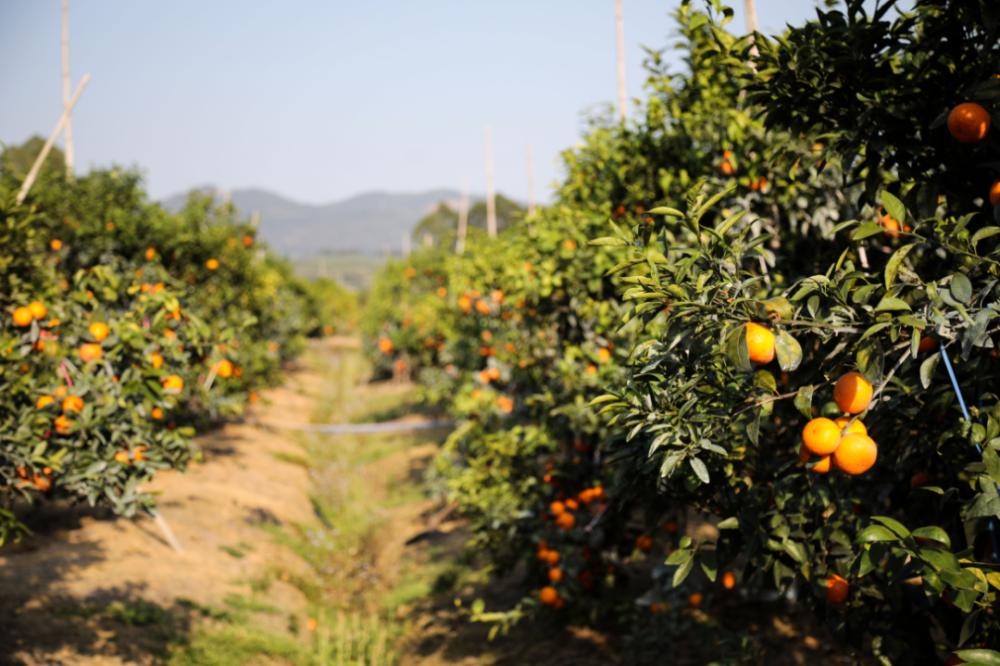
[[531, 184], [428, 240], [463, 217], [406, 244], [491, 203], [751, 10], [30, 180], [67, 91], [620, 29]]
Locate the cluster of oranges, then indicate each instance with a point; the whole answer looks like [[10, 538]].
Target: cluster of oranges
[[843, 443], [23, 316]]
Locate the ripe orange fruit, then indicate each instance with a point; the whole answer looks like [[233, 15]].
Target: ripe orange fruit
[[173, 383], [995, 193], [56, 245], [548, 596], [920, 479], [157, 413], [311, 623], [551, 557], [385, 345], [695, 600], [90, 352], [729, 580], [603, 355], [60, 392], [247, 241], [891, 225], [224, 368], [726, 168], [254, 397], [670, 526], [822, 467], [760, 343], [23, 317], [99, 330], [955, 661], [927, 345], [72, 403], [156, 360], [836, 589], [38, 310], [969, 122], [150, 254], [505, 404], [555, 574], [857, 426], [122, 457], [63, 425], [856, 454], [44, 401], [557, 508], [644, 543], [212, 264], [565, 521], [821, 436], [852, 393]]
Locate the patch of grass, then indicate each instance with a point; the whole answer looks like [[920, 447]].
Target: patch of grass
[[138, 613], [238, 645], [292, 458], [239, 602], [236, 551]]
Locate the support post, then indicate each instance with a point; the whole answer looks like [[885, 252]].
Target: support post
[[67, 91], [620, 30], [33, 174], [463, 217], [491, 203], [531, 184]]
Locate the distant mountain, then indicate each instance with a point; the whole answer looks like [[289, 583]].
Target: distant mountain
[[365, 223]]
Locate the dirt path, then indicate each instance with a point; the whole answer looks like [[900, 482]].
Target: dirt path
[[79, 558]]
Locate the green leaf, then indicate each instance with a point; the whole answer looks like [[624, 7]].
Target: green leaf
[[607, 241], [737, 350], [985, 232], [893, 525], [780, 304], [942, 560], [933, 533], [895, 261], [796, 551], [683, 571], [894, 206], [709, 564], [980, 656], [803, 400], [871, 360], [731, 523], [889, 304], [927, 369], [679, 557], [764, 380], [874, 533], [753, 428], [727, 225], [867, 229], [992, 462], [663, 210], [968, 627], [961, 288], [788, 351], [699, 469]]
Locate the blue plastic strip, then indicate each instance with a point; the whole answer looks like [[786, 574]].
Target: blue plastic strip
[[965, 412]]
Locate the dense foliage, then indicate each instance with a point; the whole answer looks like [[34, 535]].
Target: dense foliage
[[818, 186], [125, 328]]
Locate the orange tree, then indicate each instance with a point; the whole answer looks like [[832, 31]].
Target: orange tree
[[527, 463], [887, 519], [122, 329]]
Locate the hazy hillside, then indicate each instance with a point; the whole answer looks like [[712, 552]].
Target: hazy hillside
[[365, 223]]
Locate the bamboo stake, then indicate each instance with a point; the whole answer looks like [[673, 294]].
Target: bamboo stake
[[531, 184], [620, 30], [463, 217], [406, 244], [491, 203], [428, 240], [67, 90], [751, 10], [30, 180]]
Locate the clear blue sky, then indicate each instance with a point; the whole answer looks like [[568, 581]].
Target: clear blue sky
[[321, 100]]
